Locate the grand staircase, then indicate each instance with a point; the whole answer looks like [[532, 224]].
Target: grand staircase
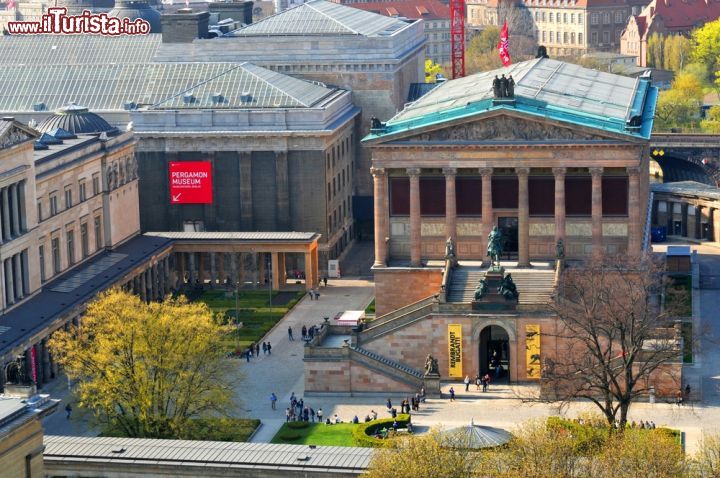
[[536, 286], [390, 368]]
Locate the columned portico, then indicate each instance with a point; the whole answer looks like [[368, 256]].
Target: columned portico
[[450, 204], [523, 218], [596, 208], [488, 221], [415, 227], [380, 188]]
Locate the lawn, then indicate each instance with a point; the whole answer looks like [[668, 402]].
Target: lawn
[[254, 312], [316, 434]]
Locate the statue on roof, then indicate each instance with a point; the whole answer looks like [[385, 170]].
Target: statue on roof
[[503, 87], [497, 93], [511, 87], [542, 52], [375, 123], [450, 248]]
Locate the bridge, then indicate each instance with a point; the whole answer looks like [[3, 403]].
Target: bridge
[[687, 156]]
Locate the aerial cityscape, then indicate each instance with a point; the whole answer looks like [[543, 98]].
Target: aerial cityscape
[[402, 238]]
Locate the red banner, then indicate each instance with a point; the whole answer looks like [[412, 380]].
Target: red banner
[[504, 45], [191, 182], [33, 365]]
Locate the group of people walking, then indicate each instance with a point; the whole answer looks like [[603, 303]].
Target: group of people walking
[[480, 381], [254, 350], [298, 411]]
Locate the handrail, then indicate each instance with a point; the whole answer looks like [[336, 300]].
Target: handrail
[[390, 363], [402, 311], [375, 330]]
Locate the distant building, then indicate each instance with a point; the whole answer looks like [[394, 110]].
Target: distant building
[[21, 435], [566, 28], [664, 18], [435, 16]]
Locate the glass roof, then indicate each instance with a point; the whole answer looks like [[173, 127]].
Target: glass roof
[[319, 17]]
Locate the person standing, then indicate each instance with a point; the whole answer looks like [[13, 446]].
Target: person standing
[[273, 400], [325, 281], [68, 411], [312, 414], [467, 383], [486, 383], [304, 332], [264, 348], [320, 415], [287, 414], [247, 355], [290, 337], [452, 394], [269, 347], [257, 350]]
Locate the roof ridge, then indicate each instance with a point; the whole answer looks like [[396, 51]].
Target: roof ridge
[[276, 87], [208, 80], [331, 18]]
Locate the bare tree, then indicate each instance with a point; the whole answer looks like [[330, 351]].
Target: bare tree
[[615, 340], [523, 44]]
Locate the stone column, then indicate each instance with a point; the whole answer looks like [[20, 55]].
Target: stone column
[[15, 210], [283, 193], [221, 267], [310, 270], [246, 207], [201, 268], [450, 205], [155, 283], [559, 204], [260, 261], [698, 222], [274, 264], [143, 287], [596, 212], [191, 268], [716, 224], [21, 205], [415, 237], [684, 220], [213, 270], [282, 269], [523, 217], [7, 234], [488, 221], [234, 270], [381, 207], [635, 216], [18, 279], [45, 361]]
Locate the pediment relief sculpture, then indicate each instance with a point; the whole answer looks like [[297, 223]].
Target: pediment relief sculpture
[[12, 137]]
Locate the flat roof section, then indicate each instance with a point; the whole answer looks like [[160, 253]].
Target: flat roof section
[[687, 188], [206, 454], [305, 237], [60, 296]]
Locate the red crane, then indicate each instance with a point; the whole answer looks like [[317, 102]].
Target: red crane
[[457, 37]]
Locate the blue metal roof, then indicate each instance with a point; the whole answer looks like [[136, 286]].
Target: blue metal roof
[[544, 88]]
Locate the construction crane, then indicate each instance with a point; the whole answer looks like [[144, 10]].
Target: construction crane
[[457, 37]]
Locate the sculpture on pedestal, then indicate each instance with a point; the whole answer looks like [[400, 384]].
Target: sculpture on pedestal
[[481, 289], [431, 365], [449, 249], [494, 247], [507, 288], [560, 249]]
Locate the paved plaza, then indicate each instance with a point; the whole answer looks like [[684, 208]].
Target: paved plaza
[[503, 406]]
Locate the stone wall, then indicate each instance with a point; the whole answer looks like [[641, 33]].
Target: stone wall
[[22, 442], [398, 287]]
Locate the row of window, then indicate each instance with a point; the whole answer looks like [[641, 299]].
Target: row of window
[[56, 248], [560, 37], [69, 199], [337, 218], [553, 17], [620, 17]]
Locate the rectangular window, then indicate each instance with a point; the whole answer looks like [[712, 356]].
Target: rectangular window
[[53, 204], [68, 198], [96, 184], [551, 17], [83, 192], [98, 233], [552, 37], [543, 16], [580, 38], [606, 38], [606, 18], [618, 17], [468, 194], [615, 196], [572, 18], [41, 253], [565, 18], [39, 212], [544, 37], [594, 38], [580, 18], [399, 196], [84, 240], [55, 244], [70, 247], [594, 19], [578, 195], [432, 196]]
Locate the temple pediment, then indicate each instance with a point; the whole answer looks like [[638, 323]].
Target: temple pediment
[[12, 134], [501, 128]]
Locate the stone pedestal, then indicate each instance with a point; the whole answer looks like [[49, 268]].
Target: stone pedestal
[[432, 385], [492, 300], [20, 391]]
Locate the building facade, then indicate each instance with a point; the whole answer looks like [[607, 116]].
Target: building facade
[[536, 164], [687, 209], [664, 19]]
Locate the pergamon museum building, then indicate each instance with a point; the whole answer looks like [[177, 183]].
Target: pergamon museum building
[[311, 238]]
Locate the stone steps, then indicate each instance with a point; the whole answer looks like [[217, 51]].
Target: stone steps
[[390, 368], [535, 285]]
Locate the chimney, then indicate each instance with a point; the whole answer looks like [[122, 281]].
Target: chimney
[[184, 26], [238, 11]]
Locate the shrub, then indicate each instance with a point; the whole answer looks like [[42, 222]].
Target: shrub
[[290, 436], [298, 425], [363, 432]]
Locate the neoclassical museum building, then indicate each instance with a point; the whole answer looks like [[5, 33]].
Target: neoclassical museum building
[[562, 156]]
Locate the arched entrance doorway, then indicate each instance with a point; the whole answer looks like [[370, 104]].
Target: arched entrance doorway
[[495, 352]]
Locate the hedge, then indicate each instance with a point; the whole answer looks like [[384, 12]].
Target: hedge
[[298, 425], [363, 434]]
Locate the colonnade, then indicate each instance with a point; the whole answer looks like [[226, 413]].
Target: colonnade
[[382, 220]]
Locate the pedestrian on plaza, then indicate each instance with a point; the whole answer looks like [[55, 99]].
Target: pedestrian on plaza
[[687, 392], [311, 293], [478, 382], [312, 414], [374, 414], [317, 295], [287, 414], [395, 426], [247, 355], [306, 414], [486, 384], [355, 420], [264, 348], [679, 398], [68, 411], [393, 412], [467, 383], [269, 348], [292, 397], [452, 394], [273, 400], [304, 332], [325, 281], [257, 350], [388, 404], [290, 337], [319, 414]]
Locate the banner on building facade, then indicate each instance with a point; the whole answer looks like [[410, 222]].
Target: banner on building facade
[[532, 350], [33, 364], [191, 182], [455, 350]]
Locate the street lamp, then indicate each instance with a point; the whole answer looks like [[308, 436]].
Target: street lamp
[[269, 269]]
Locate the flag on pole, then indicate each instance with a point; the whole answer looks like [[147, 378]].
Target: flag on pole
[[10, 4], [504, 46]]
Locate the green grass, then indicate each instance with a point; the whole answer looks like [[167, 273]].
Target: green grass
[[254, 312], [678, 296], [370, 309], [317, 434]]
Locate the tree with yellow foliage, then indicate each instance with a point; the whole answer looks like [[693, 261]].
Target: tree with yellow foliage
[[432, 70], [145, 369]]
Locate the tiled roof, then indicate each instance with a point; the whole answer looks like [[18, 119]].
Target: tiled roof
[[322, 18], [185, 453], [112, 86], [424, 9], [543, 87], [682, 15]]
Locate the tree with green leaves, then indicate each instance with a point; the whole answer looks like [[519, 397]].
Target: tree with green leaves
[[706, 46], [432, 70], [655, 55], [144, 369], [679, 107]]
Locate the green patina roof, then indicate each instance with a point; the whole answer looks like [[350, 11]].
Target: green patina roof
[[545, 88]]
